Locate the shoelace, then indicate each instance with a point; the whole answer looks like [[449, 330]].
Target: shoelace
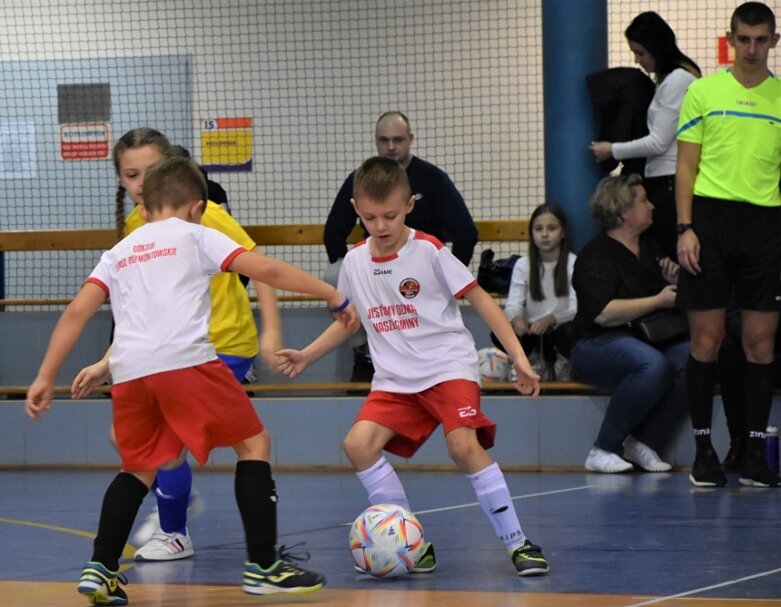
[[290, 553]]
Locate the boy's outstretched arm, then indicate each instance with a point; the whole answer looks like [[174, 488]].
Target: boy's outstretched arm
[[64, 337], [528, 381], [286, 276], [293, 362]]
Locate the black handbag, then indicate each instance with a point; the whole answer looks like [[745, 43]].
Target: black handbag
[[494, 275], [661, 327]]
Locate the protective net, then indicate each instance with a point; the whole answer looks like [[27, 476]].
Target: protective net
[[279, 98]]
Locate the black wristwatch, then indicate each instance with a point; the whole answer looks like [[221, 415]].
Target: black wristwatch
[[682, 227]]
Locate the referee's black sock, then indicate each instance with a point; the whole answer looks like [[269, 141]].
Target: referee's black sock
[[700, 382], [760, 380]]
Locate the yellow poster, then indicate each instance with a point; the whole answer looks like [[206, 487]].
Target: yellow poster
[[226, 144]]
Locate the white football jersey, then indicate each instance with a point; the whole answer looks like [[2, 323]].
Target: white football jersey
[[158, 281], [408, 306]]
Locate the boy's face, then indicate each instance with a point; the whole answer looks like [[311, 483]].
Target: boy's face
[[133, 164], [752, 44], [384, 220]]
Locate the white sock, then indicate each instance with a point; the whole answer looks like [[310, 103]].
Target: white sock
[[494, 498], [382, 484]]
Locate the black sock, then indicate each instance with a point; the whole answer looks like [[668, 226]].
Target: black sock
[[732, 376], [760, 381], [256, 496], [700, 382], [120, 506]]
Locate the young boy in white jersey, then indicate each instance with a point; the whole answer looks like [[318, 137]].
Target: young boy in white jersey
[[405, 285], [170, 390]]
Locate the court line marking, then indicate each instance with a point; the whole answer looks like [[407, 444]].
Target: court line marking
[[514, 498], [127, 552], [747, 578]]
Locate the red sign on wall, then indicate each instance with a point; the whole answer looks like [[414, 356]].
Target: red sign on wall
[[726, 53], [84, 141]]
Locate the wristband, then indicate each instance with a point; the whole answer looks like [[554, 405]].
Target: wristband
[[340, 308]]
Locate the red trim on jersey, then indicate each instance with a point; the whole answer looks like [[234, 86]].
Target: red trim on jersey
[[229, 259], [98, 283], [429, 238], [466, 289], [385, 259], [360, 243]]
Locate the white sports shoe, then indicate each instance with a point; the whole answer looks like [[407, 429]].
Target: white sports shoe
[[599, 460], [643, 456], [166, 547], [151, 524]]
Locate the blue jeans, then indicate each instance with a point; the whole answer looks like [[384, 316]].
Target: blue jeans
[[647, 385]]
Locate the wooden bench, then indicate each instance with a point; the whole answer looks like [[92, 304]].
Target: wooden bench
[[305, 234], [266, 236]]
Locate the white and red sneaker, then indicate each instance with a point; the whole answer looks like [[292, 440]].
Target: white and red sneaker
[[164, 546]]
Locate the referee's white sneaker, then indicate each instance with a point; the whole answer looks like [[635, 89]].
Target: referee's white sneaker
[[164, 546]]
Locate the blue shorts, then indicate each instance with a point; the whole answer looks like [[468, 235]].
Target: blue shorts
[[240, 365]]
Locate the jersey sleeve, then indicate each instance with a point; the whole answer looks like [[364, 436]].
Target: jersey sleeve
[[454, 274], [216, 250], [690, 120]]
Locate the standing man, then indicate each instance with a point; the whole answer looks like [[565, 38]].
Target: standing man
[[439, 210], [729, 237]]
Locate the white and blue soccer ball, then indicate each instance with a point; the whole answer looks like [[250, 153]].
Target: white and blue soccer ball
[[386, 540], [493, 364]]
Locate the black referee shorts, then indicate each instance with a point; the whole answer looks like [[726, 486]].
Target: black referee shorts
[[740, 256]]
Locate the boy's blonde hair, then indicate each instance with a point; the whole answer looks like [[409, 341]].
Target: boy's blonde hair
[[173, 182], [378, 177]]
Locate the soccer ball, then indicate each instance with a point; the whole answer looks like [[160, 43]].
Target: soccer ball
[[493, 364], [386, 540]]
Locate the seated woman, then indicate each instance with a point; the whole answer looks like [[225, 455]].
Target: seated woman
[[619, 277]]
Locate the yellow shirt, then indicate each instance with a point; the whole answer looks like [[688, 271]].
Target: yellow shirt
[[232, 327]]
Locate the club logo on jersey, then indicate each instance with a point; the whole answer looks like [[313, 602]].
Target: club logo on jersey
[[409, 288]]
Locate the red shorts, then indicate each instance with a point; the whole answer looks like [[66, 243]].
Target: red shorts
[[413, 417], [199, 407]]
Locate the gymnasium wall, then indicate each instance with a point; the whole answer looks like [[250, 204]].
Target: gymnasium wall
[[312, 76]]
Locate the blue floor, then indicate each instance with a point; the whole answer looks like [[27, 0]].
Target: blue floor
[[636, 534]]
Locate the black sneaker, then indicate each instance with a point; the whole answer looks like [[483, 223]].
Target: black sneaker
[[282, 576], [101, 585], [528, 560], [756, 473], [427, 561], [706, 471], [734, 458]]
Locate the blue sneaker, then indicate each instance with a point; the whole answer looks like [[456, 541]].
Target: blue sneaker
[[101, 586]]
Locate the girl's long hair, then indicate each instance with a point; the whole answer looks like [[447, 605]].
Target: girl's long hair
[[135, 138], [536, 269]]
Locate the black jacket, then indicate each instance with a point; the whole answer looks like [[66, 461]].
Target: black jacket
[[620, 97]]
